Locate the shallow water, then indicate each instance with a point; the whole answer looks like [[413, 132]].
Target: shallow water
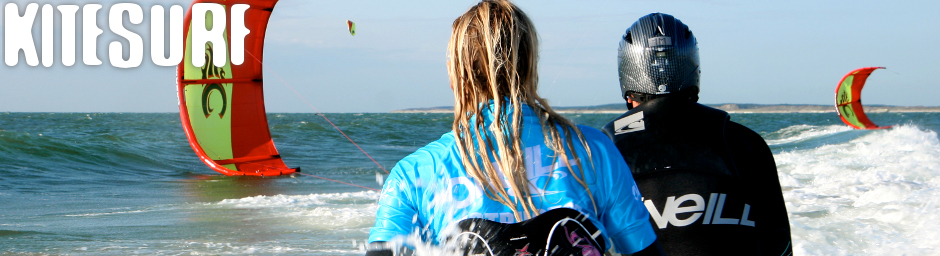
[[117, 184]]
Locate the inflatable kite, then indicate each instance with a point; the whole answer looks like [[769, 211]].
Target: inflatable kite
[[222, 108], [849, 99], [351, 26]]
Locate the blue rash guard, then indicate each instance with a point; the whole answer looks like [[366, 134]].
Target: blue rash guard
[[430, 190]]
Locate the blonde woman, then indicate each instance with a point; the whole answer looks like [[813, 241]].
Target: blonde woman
[[510, 157]]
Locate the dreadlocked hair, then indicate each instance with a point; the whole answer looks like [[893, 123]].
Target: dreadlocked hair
[[492, 65]]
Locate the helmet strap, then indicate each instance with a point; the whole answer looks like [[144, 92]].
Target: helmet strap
[[690, 94]]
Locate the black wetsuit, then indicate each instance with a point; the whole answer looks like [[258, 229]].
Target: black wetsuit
[[709, 184]]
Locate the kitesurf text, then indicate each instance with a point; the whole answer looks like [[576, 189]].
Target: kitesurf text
[[17, 34]]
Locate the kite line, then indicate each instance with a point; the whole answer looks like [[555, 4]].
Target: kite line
[[318, 112]]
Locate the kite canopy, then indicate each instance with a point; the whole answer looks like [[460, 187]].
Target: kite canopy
[[351, 26], [222, 108], [849, 99]]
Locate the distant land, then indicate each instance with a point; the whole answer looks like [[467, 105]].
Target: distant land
[[729, 107]]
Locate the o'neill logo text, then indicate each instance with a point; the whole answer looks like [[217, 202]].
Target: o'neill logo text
[[713, 211]]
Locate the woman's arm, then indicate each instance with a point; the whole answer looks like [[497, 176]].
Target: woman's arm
[[396, 214]]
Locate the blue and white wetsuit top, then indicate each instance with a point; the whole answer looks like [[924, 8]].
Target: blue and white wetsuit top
[[429, 190]]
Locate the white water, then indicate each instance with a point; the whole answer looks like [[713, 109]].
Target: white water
[[876, 194], [869, 193], [317, 211]]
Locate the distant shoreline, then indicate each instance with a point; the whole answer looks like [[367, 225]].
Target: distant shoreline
[[730, 108]]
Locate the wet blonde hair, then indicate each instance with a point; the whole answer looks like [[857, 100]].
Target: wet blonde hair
[[492, 64]]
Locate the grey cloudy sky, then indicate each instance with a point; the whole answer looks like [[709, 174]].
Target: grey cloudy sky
[[780, 52]]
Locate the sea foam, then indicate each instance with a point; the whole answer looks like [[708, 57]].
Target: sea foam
[[876, 194], [317, 211], [873, 192]]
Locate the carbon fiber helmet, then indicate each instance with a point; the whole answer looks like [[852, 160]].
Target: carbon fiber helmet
[[658, 55]]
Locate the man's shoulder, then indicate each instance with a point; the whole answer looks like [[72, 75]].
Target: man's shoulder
[[610, 128], [746, 144], [736, 130]]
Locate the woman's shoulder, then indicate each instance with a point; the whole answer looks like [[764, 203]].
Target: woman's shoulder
[[595, 137], [591, 133], [441, 148], [601, 145]]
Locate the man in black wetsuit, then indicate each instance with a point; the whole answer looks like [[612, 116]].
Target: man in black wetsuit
[[709, 184]]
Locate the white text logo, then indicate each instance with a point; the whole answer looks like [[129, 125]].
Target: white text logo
[[713, 211]]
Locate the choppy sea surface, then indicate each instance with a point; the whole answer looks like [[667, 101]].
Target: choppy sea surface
[[118, 184]]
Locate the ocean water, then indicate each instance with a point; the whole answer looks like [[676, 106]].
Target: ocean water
[[118, 184]]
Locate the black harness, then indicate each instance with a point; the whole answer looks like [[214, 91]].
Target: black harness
[[561, 231]]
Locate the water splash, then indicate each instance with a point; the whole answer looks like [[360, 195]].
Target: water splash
[[876, 194]]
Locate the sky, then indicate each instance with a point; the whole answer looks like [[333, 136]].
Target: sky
[[765, 52]]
